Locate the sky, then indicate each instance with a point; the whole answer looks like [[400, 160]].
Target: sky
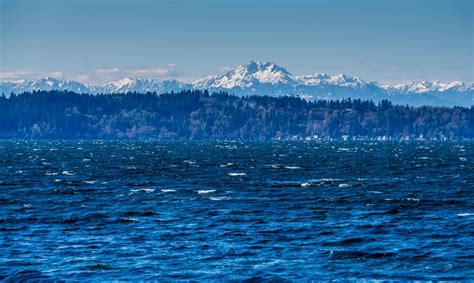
[[103, 40]]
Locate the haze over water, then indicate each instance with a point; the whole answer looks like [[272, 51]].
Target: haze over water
[[94, 210]]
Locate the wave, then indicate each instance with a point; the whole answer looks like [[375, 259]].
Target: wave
[[237, 174], [205, 191]]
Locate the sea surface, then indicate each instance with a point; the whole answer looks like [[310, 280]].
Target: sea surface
[[106, 210]]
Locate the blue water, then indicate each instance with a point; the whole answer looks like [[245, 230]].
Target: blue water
[[236, 211]]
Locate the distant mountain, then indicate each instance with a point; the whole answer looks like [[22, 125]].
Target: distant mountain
[[46, 83], [252, 75], [139, 85], [270, 79]]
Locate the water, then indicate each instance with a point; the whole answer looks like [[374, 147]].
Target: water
[[265, 211]]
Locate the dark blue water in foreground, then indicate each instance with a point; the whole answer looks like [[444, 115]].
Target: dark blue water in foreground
[[185, 211]]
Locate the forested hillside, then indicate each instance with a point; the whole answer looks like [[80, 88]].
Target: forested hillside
[[198, 115]]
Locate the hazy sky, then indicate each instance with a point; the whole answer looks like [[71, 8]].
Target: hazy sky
[[377, 40]]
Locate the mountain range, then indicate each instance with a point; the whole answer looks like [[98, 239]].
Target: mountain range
[[256, 78]]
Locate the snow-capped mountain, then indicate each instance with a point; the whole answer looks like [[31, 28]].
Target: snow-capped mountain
[[46, 83], [433, 86], [121, 86], [271, 79], [250, 75], [139, 85]]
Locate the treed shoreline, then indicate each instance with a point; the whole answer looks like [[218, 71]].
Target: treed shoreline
[[199, 115]]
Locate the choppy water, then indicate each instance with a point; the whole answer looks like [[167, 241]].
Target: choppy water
[[170, 211]]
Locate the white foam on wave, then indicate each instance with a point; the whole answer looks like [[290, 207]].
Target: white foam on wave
[[217, 198], [465, 214], [462, 159], [168, 190], [90, 182], [293, 167], [67, 173], [344, 185], [228, 164], [52, 173], [321, 182], [237, 174], [205, 191]]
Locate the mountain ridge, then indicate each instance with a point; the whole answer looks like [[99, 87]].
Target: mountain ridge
[[255, 78]]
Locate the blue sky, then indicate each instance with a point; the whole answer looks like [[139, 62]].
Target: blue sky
[[94, 41]]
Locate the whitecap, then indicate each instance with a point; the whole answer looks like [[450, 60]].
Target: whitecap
[[374, 192], [168, 190], [228, 164], [67, 173], [292, 167], [320, 182], [205, 191], [462, 159], [217, 198], [51, 173], [465, 214], [90, 182], [237, 174], [344, 185]]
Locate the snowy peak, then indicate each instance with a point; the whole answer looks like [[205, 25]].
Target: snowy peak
[[325, 79], [129, 85], [139, 85], [433, 86], [256, 74], [49, 83], [255, 78], [248, 75]]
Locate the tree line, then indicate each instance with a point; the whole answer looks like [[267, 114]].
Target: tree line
[[199, 115]]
